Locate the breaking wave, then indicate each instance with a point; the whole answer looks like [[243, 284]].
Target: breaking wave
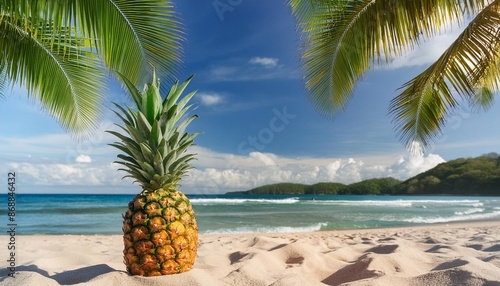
[[228, 201], [262, 229], [474, 216]]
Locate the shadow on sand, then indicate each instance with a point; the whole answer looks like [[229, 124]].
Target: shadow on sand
[[69, 277]]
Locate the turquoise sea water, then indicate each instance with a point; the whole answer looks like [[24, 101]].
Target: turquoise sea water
[[102, 214]]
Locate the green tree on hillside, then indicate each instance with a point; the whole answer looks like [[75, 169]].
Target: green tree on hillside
[[377, 186], [343, 38], [463, 176], [324, 189], [60, 50], [278, 189]]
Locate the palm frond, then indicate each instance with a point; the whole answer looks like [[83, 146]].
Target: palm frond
[[76, 40], [131, 35], [3, 81], [467, 71], [488, 85], [343, 38], [66, 80]]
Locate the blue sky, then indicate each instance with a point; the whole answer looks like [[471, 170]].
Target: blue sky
[[257, 122]]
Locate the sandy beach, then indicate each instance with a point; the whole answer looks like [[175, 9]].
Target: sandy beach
[[451, 254]]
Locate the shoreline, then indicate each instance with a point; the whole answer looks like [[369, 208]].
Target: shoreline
[[437, 254], [423, 225], [86, 214]]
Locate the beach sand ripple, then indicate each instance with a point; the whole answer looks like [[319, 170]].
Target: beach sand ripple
[[454, 254]]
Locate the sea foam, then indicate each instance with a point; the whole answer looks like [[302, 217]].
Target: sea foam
[[262, 229], [452, 218], [224, 201]]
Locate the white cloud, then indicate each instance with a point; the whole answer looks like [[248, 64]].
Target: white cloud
[[83, 159], [413, 164], [210, 98], [220, 172], [249, 70], [224, 71], [55, 174], [266, 62], [267, 159], [52, 144], [43, 144]]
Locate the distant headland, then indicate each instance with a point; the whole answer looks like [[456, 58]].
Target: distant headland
[[464, 176]]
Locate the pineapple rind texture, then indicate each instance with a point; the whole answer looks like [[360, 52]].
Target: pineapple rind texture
[[160, 234], [160, 230]]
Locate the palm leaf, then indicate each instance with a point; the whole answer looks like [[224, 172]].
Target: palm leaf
[[65, 79], [344, 38], [468, 71], [3, 80], [136, 29], [76, 40]]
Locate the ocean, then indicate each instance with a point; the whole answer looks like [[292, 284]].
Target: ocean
[[102, 214]]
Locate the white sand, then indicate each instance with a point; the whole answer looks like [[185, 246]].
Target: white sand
[[455, 254]]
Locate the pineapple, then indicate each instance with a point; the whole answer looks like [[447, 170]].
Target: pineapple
[[160, 230]]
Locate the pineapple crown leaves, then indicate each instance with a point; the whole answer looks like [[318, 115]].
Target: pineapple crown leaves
[[154, 140]]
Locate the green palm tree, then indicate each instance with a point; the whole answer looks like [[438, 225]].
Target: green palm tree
[[344, 38], [60, 50]]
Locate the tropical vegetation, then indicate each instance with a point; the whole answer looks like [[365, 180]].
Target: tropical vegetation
[[344, 38], [366, 187], [63, 51], [463, 176], [160, 229]]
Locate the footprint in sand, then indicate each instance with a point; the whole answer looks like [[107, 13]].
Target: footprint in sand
[[238, 256], [367, 240], [386, 239], [278, 247], [439, 249], [384, 249], [450, 264], [431, 240], [475, 246], [493, 248], [294, 261]]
